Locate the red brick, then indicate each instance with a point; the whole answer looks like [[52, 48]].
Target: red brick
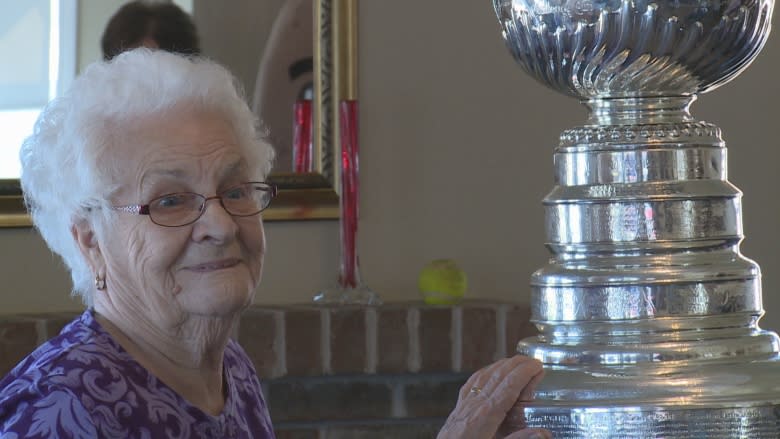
[[478, 337], [518, 326], [435, 339], [18, 337], [296, 433], [414, 429], [51, 323], [348, 340], [303, 342], [392, 340], [56, 321], [433, 396], [312, 399], [257, 334]]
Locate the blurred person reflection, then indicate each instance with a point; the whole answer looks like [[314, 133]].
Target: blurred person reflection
[[152, 24]]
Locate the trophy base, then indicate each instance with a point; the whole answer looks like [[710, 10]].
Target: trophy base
[[738, 399], [745, 422], [338, 295]]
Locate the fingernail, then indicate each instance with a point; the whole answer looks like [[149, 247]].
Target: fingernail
[[540, 435]]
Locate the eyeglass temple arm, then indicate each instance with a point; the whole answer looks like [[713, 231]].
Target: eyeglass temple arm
[[134, 208]]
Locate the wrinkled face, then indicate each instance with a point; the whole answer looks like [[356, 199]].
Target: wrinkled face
[[208, 268]]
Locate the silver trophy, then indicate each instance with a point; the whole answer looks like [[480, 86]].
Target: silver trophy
[[647, 311]]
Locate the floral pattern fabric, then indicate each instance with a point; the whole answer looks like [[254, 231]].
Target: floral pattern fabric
[[82, 384]]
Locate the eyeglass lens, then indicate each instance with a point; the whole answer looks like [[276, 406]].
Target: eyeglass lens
[[186, 207]]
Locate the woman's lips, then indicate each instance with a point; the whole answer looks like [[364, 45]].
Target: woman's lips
[[214, 265]]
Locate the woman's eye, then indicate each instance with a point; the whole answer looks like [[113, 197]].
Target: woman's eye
[[170, 201], [235, 193]]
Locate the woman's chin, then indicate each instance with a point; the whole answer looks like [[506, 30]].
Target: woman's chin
[[219, 301]]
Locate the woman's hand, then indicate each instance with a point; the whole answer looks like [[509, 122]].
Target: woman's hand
[[488, 395]]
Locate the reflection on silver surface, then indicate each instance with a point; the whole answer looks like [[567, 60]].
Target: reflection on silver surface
[[639, 48], [647, 311]]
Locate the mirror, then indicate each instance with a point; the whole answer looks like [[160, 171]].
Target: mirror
[[302, 195]]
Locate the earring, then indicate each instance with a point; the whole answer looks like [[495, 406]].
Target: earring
[[100, 282]]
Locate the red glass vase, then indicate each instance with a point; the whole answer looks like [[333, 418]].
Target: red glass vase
[[349, 288], [301, 142]]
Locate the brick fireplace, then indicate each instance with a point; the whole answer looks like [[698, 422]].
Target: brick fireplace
[[348, 372]]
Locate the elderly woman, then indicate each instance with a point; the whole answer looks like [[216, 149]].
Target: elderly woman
[[148, 179]]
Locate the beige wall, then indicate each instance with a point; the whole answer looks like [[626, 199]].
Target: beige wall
[[456, 156], [93, 15]]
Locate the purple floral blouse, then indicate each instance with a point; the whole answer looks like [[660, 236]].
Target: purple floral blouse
[[82, 384]]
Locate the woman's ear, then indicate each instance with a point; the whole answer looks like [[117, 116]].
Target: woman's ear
[[86, 239]]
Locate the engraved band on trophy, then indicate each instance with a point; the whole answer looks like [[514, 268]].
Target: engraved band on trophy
[[647, 311]]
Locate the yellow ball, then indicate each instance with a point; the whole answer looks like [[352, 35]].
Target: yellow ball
[[442, 282]]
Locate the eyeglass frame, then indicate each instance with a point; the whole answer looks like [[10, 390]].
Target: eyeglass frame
[[143, 209]]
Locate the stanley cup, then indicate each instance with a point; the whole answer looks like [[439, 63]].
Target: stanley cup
[[648, 313]]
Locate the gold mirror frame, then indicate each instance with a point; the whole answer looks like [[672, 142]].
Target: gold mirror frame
[[301, 196]]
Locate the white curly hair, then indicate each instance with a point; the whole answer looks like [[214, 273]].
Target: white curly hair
[[66, 162]]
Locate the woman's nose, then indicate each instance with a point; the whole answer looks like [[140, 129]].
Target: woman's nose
[[215, 222]]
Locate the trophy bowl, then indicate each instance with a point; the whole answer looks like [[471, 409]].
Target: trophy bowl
[[634, 48], [647, 311]]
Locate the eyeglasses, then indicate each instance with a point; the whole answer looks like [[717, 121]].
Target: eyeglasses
[[184, 208]]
